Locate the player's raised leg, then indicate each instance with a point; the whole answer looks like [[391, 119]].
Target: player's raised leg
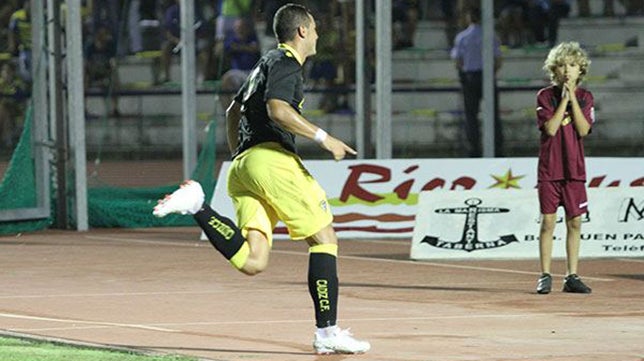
[[250, 257]]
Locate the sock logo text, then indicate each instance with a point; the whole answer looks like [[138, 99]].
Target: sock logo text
[[222, 228], [323, 294]]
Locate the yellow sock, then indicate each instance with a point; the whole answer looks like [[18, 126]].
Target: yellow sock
[[329, 248], [240, 258]]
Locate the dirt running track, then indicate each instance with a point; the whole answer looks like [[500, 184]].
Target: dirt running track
[[164, 291]]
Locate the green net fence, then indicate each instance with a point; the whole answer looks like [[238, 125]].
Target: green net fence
[[107, 206], [18, 187], [132, 207]]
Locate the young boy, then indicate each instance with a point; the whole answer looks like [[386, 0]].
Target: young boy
[[565, 115]]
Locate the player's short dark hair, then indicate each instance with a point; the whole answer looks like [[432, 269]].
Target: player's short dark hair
[[287, 19]]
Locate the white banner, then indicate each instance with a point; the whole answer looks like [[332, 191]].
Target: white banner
[[379, 198], [505, 224]]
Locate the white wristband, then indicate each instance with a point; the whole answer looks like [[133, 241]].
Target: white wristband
[[320, 136]]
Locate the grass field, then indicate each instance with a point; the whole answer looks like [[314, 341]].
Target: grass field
[[14, 349]]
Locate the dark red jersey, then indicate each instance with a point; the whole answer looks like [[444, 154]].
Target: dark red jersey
[[561, 157]]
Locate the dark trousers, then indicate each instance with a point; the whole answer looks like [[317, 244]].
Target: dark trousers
[[472, 86], [541, 19]]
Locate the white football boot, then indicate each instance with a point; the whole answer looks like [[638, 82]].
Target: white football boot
[[188, 199], [332, 340]]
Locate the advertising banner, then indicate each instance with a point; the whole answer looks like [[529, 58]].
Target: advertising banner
[[379, 198], [506, 224]]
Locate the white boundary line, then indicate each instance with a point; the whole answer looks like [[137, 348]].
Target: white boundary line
[[358, 258], [143, 294], [43, 329], [444, 265], [81, 322], [421, 318], [190, 244], [164, 327]]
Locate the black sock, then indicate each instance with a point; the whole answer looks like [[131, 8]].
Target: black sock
[[323, 287], [222, 232]]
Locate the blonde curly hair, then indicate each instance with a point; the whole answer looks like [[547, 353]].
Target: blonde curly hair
[[558, 55]]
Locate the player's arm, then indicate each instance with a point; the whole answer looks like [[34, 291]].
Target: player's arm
[[283, 114], [581, 124], [233, 115]]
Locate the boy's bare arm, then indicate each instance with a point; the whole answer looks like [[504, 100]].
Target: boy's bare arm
[[581, 124], [551, 126]]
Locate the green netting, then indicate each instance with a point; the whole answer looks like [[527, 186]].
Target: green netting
[[107, 206], [132, 207], [18, 187]]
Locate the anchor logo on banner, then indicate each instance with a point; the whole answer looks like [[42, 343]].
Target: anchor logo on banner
[[470, 239]]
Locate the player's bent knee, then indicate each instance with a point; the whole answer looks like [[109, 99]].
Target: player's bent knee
[[253, 266], [250, 271], [256, 260]]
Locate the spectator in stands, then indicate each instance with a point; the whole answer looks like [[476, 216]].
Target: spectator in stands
[[565, 115], [557, 10], [13, 93], [101, 66], [405, 21], [205, 19], [230, 11], [20, 39], [511, 24], [171, 29], [633, 7], [323, 67], [172, 44], [467, 54], [243, 50], [134, 30], [544, 17], [7, 8], [448, 8], [106, 13]]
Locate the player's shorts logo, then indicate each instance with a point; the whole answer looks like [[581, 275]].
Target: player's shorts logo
[[470, 239], [324, 205]]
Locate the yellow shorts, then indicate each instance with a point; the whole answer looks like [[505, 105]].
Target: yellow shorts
[[268, 184]]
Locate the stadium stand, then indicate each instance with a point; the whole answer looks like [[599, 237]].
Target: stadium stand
[[426, 101]]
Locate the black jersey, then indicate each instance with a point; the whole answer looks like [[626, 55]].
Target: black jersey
[[277, 75]]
